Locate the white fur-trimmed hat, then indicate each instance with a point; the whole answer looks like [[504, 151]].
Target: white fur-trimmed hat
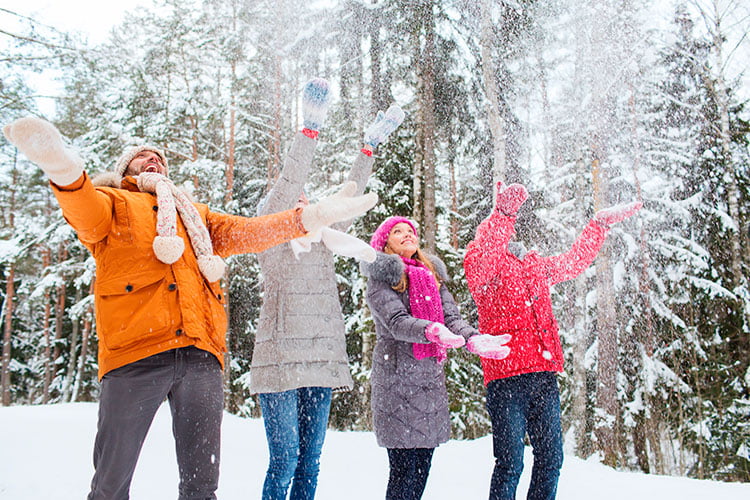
[[124, 160]]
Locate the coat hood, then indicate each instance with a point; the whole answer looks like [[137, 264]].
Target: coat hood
[[107, 179], [389, 268]]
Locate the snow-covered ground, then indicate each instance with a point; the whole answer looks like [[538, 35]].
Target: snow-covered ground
[[45, 453]]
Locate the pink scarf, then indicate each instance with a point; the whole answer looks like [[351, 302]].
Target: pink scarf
[[425, 303]]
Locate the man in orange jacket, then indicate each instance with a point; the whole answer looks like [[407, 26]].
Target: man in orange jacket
[[160, 312]]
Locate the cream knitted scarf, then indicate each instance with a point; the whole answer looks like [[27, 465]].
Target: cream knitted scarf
[[169, 247]]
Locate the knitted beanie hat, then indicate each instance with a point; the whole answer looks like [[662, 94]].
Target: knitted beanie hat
[[380, 236], [124, 160]]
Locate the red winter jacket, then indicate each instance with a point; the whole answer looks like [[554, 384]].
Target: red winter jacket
[[513, 295]]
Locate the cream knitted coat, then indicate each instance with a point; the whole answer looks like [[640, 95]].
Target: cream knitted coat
[[300, 341]]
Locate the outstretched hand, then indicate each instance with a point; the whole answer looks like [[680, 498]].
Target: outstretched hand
[[510, 198], [618, 213], [42, 143], [337, 207], [439, 334], [489, 346]]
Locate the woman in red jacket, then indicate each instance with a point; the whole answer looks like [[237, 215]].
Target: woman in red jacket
[[511, 288]]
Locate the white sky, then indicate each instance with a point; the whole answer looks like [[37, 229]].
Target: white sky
[[95, 18]]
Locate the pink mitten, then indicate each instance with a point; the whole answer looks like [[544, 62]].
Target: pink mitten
[[615, 214], [510, 198], [440, 335], [489, 346]]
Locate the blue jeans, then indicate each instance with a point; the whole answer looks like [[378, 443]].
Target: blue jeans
[[295, 424], [529, 402]]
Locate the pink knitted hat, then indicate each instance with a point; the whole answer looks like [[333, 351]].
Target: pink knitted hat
[[380, 236]]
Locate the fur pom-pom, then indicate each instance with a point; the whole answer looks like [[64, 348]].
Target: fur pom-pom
[[168, 248], [212, 267]]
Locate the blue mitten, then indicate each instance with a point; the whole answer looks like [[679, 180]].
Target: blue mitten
[[315, 101], [384, 124]]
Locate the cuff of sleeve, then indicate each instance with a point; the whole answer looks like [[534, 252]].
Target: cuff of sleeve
[[74, 186], [298, 220]]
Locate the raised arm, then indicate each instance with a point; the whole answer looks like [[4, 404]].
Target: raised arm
[[375, 134], [296, 170], [86, 209], [584, 250], [485, 254]]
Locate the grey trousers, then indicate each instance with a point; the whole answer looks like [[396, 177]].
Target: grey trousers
[[191, 380]]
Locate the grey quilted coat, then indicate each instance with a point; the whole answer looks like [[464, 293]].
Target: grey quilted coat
[[409, 398], [300, 341]]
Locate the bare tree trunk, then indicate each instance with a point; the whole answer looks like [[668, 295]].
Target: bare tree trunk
[[730, 180], [606, 389], [9, 296], [581, 342], [85, 334], [454, 202], [380, 98], [229, 194], [46, 258], [497, 127], [61, 292], [427, 104], [72, 353], [7, 334]]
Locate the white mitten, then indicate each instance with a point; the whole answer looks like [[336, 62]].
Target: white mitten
[[489, 346], [337, 207], [384, 124], [42, 143], [337, 242], [437, 333], [315, 100]]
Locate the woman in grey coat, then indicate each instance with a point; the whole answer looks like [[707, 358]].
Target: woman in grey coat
[[416, 321], [300, 349]]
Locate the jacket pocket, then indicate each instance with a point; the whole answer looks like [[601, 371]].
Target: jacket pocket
[[131, 310]]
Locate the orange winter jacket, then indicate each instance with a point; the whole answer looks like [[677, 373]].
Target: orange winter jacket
[[142, 305]]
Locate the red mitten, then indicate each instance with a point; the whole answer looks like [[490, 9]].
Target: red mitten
[[510, 198], [440, 335], [489, 346], [615, 214]]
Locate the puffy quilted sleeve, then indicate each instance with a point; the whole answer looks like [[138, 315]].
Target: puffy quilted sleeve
[[582, 253], [485, 254], [234, 234], [87, 210]]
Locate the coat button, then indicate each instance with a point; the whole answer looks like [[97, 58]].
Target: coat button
[[178, 332], [155, 208], [129, 288], [172, 287], [218, 296]]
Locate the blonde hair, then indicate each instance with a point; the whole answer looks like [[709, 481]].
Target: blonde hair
[[419, 255]]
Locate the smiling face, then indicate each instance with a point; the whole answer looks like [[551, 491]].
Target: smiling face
[[402, 240], [146, 161]]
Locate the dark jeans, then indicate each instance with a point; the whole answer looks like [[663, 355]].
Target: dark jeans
[[409, 470], [296, 423], [527, 403], [130, 395]]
